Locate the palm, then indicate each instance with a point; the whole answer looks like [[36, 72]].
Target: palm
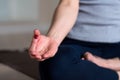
[[46, 46], [43, 47]]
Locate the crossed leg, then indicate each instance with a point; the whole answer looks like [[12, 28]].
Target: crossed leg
[[113, 63]]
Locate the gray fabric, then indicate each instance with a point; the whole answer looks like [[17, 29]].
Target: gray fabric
[[98, 21]]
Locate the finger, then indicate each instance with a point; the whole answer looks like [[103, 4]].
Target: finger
[[38, 55], [32, 56], [38, 58], [50, 53], [35, 56], [42, 45], [36, 36]]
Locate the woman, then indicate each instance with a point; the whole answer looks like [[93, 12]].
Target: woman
[[82, 42]]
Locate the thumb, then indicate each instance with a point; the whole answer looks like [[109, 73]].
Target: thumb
[[36, 33]]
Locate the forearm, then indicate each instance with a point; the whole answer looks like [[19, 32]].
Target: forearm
[[63, 20]]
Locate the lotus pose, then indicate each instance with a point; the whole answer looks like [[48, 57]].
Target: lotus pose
[[83, 42]]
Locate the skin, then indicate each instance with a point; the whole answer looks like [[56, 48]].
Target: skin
[[45, 46], [113, 64]]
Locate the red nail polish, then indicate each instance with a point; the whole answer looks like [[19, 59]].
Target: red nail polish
[[35, 36]]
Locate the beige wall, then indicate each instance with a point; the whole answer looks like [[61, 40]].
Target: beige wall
[[17, 34]]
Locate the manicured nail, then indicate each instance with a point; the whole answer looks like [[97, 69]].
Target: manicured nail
[[35, 36]]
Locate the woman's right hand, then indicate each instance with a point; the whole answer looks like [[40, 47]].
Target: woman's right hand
[[42, 47]]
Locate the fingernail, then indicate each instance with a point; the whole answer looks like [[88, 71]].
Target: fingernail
[[35, 36]]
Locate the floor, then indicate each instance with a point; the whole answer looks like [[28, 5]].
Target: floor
[[17, 65], [8, 73]]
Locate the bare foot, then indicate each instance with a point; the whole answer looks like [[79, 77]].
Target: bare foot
[[113, 63]]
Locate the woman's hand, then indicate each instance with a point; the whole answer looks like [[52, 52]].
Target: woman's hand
[[42, 47]]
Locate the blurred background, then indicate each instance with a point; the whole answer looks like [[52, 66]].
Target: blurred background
[[18, 19]]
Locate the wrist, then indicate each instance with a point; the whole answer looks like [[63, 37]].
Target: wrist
[[55, 38]]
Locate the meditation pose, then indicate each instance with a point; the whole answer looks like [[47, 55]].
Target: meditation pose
[[83, 42]]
